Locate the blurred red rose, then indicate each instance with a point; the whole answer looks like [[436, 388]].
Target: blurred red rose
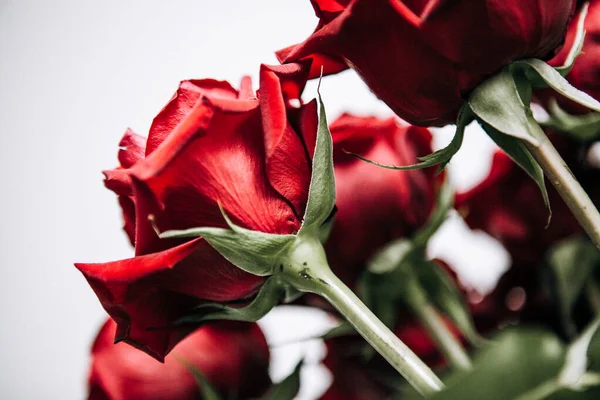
[[375, 205], [585, 74], [423, 57], [210, 144], [232, 356], [507, 205]]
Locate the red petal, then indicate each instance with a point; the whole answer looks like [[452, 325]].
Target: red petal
[[121, 372], [181, 104], [145, 294], [131, 149], [128, 210], [288, 164], [119, 181], [215, 155]]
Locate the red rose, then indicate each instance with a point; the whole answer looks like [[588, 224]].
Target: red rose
[[423, 57], [585, 74], [375, 205], [507, 205], [210, 144], [232, 356]]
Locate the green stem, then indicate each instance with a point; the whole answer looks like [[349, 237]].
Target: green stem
[[430, 318], [307, 270], [378, 335], [568, 187]]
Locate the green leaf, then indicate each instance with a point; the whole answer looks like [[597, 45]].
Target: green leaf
[[442, 290], [571, 262], [509, 366], [584, 128], [593, 350], [321, 193], [498, 103], [537, 70], [253, 251], [268, 297], [286, 389], [443, 205], [391, 256], [576, 362], [440, 157], [577, 43], [521, 155], [206, 390]]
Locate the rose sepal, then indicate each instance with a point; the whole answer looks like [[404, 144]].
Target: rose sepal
[[440, 157], [583, 128]]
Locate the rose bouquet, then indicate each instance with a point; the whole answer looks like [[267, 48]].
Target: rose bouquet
[[239, 201]]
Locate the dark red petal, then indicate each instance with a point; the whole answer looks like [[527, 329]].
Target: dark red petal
[[382, 42], [128, 210], [320, 63]]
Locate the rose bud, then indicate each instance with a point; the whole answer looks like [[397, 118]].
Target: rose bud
[[376, 206], [232, 356], [585, 73], [423, 58], [506, 205], [211, 146]]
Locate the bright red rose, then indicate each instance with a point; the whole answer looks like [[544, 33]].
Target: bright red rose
[[210, 144], [375, 205], [585, 74], [232, 356], [424, 57], [507, 205]]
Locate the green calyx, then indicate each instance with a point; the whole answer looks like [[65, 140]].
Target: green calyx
[[582, 128], [501, 105], [441, 157], [285, 260]]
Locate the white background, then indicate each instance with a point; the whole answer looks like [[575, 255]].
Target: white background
[[75, 74]]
